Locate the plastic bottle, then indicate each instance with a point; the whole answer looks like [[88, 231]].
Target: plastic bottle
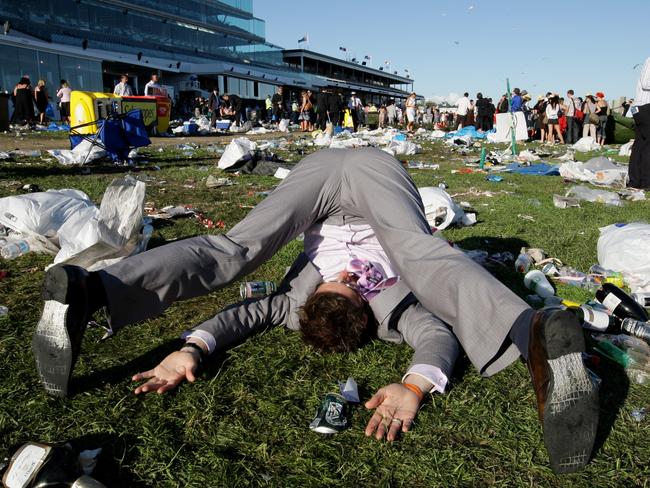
[[593, 319], [3, 311], [15, 249], [620, 303], [549, 269], [636, 328], [607, 275], [536, 281], [523, 263]]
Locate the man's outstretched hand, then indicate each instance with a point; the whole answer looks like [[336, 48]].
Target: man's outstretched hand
[[170, 373], [396, 407]]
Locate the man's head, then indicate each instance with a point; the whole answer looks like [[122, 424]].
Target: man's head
[[124, 78], [226, 97], [154, 77], [215, 90], [335, 318], [466, 94], [570, 93]]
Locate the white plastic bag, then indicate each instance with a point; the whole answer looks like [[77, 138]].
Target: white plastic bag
[[83, 153], [440, 209], [237, 150], [406, 148], [626, 149], [283, 126], [586, 144], [68, 224], [593, 195], [626, 248], [598, 171]]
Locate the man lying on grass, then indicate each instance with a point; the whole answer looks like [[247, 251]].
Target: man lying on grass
[[326, 196]]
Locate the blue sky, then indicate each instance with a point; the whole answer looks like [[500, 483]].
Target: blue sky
[[452, 46]]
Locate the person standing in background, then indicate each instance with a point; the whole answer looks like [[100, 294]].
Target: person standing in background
[[152, 86], [23, 98], [123, 89], [569, 108], [42, 99], [591, 117], [410, 112], [639, 168], [64, 96], [462, 108], [214, 103], [601, 109]]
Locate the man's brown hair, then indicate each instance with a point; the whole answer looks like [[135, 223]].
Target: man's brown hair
[[330, 322]]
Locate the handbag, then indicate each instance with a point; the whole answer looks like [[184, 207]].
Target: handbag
[[578, 115], [593, 118]]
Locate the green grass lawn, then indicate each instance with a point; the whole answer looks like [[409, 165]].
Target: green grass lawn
[[245, 421]]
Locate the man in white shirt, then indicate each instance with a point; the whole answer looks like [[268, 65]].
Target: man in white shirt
[[639, 168], [123, 89], [463, 105], [569, 108], [151, 89]]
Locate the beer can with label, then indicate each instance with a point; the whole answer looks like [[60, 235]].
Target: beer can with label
[[256, 289], [332, 416]]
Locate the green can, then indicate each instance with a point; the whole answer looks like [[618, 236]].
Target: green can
[[256, 289], [333, 415]]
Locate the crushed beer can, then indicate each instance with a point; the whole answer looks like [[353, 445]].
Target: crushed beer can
[[256, 289], [332, 416]]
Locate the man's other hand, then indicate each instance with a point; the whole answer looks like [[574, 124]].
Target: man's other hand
[[396, 407], [178, 366]]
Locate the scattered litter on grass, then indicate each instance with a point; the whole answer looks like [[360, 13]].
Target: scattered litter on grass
[[214, 182], [600, 171], [586, 144], [638, 414], [441, 211], [626, 149], [349, 390], [581, 192]]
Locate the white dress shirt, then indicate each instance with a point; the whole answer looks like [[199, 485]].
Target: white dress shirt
[[463, 106], [643, 85]]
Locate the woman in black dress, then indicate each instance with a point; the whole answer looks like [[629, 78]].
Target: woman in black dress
[[42, 100], [23, 102]]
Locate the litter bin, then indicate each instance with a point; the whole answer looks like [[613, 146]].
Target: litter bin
[[4, 111], [163, 110], [88, 107], [147, 105]]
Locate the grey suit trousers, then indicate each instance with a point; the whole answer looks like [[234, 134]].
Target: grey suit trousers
[[348, 184]]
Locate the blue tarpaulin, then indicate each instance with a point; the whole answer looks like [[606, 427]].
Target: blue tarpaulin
[[471, 131], [540, 169]]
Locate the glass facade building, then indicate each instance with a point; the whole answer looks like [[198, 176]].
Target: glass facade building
[[90, 42]]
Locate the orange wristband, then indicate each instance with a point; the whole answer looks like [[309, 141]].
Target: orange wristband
[[415, 389]]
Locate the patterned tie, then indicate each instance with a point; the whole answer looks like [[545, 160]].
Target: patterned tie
[[371, 278]]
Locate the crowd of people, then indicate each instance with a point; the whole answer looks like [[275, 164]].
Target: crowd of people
[[552, 118], [25, 98]]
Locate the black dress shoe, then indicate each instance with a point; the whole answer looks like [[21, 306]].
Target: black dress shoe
[[567, 400], [57, 339]]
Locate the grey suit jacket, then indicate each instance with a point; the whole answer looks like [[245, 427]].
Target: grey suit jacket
[[399, 316]]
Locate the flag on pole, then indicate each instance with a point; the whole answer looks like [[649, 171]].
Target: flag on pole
[[304, 38]]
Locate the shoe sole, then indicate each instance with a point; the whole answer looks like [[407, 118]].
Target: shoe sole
[[55, 285], [53, 349], [571, 409]]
